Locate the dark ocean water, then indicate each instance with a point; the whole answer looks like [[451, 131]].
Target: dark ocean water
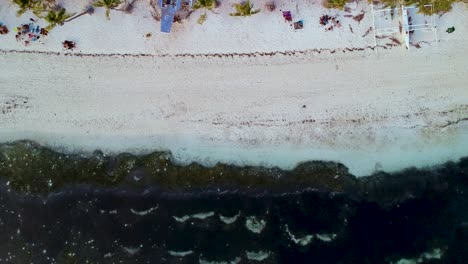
[[415, 216]]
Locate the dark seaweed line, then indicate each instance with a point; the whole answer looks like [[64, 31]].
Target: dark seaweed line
[[201, 55], [32, 169], [450, 123]]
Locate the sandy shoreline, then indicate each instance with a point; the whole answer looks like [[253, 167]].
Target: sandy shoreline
[[256, 104], [214, 110]]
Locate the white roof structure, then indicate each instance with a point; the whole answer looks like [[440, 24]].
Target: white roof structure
[[403, 21]]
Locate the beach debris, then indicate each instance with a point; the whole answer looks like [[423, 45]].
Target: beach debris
[[154, 10], [395, 40], [148, 35], [69, 45], [3, 29], [287, 16], [350, 28], [299, 24], [450, 30], [270, 6], [367, 32], [28, 33], [359, 17]]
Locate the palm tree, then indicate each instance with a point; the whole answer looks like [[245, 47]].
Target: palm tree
[[244, 9], [108, 4], [57, 18]]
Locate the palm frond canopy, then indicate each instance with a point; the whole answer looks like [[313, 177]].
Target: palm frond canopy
[[23, 3], [55, 18], [38, 7]]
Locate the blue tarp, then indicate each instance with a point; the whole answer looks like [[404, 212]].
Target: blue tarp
[[167, 18], [168, 11]]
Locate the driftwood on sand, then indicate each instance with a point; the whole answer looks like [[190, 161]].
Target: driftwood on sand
[[395, 40], [359, 17], [367, 32]]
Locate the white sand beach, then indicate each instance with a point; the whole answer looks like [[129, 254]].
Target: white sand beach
[[372, 109]]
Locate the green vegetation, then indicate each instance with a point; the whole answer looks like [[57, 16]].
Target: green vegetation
[[244, 9], [207, 4], [202, 19], [108, 4], [56, 17], [38, 7], [24, 5], [46, 9], [439, 6], [337, 4]]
